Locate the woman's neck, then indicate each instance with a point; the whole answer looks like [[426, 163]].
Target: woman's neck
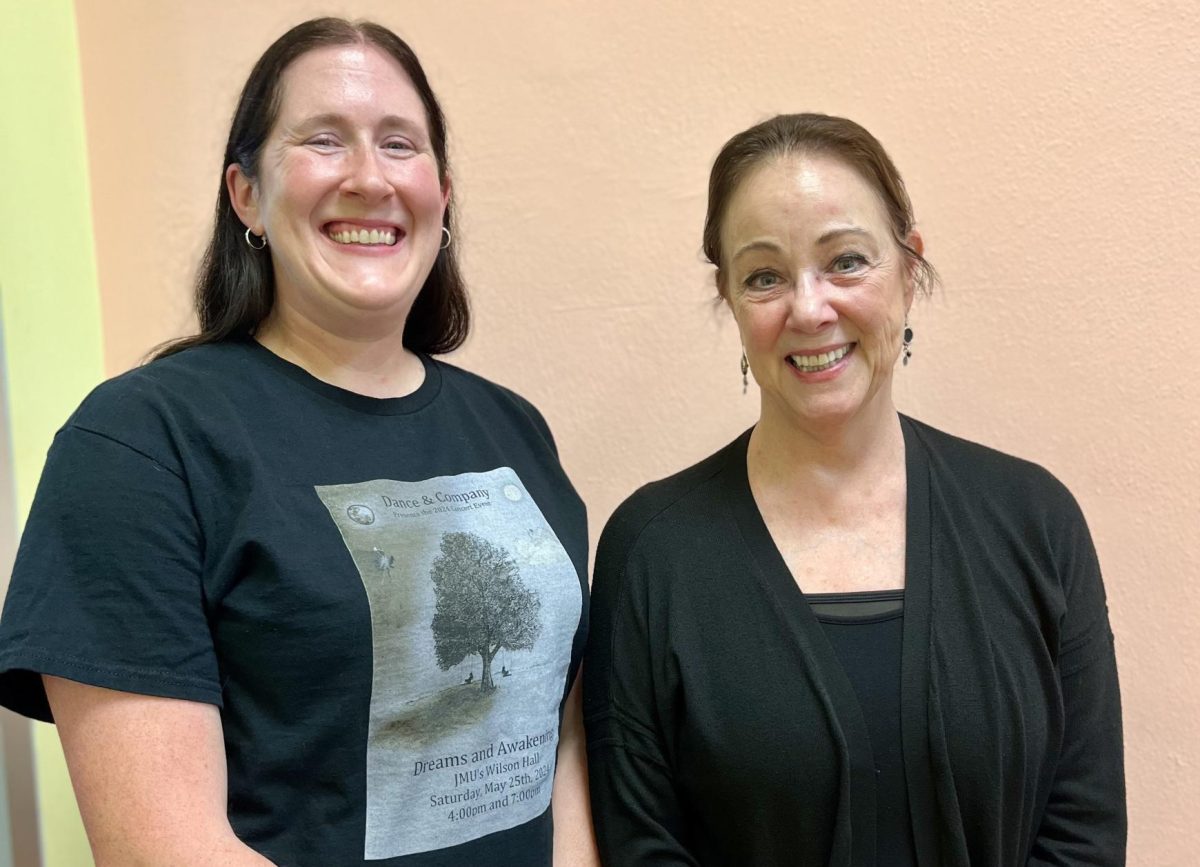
[[828, 468], [375, 364]]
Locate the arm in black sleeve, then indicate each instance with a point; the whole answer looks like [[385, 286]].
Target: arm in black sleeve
[[1084, 821], [637, 815], [106, 588]]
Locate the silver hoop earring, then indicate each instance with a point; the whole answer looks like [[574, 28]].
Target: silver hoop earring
[[745, 371], [251, 244], [449, 238], [905, 347]]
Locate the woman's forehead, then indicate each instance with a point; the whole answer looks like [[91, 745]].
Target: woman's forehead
[[812, 192], [343, 77]]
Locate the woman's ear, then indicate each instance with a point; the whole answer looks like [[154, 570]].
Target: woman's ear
[[723, 289], [917, 244], [243, 195]]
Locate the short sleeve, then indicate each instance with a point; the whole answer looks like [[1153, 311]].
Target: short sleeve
[[107, 586], [539, 421]]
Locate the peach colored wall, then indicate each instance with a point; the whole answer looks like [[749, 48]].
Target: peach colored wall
[[1050, 150]]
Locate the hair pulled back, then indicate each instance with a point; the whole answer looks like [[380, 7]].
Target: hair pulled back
[[811, 134]]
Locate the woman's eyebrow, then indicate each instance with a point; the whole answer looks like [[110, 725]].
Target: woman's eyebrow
[[391, 121], [839, 231], [326, 119], [753, 246]]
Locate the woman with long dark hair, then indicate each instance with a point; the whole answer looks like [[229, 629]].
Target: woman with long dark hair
[[271, 578]]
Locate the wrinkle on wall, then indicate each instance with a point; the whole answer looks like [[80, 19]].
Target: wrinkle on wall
[[1050, 153]]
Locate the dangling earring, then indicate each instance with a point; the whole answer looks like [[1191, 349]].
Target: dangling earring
[[745, 370], [906, 348], [251, 244], [446, 245]]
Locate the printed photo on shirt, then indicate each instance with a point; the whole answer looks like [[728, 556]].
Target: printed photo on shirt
[[474, 604]]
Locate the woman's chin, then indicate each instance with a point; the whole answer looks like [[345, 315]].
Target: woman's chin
[[825, 412]]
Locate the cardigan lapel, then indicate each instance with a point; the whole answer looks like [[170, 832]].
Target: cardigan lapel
[[854, 838], [915, 691]]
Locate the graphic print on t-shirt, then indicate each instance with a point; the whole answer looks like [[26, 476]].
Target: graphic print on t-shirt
[[474, 605]]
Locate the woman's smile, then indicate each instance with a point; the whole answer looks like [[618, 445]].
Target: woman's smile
[[825, 361], [363, 234]]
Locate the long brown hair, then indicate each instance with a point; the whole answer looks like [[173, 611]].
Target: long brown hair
[[235, 287]]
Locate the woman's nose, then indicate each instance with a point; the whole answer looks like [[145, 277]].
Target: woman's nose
[[365, 176], [811, 310]]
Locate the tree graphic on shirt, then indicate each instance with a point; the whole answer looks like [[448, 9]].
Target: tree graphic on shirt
[[482, 605]]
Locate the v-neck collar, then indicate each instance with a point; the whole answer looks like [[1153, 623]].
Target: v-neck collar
[[854, 838]]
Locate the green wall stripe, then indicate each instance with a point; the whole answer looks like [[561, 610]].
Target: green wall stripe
[[50, 297]]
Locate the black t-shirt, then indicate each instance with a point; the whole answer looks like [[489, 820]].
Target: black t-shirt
[[865, 630], [386, 598]]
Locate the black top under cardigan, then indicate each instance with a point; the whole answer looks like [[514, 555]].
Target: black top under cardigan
[[722, 730]]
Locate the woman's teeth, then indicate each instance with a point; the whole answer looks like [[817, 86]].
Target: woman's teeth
[[365, 236], [821, 361]]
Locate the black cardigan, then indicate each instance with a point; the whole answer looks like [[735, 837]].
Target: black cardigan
[[722, 730]]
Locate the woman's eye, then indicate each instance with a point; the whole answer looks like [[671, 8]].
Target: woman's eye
[[399, 145], [848, 263], [763, 280], [323, 141]]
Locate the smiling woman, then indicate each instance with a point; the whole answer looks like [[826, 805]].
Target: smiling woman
[[247, 592], [819, 289], [846, 638], [349, 195], [311, 114]]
